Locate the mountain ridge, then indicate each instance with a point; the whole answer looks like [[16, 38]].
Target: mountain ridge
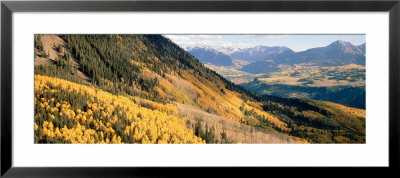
[[225, 56], [335, 54], [153, 72], [209, 55]]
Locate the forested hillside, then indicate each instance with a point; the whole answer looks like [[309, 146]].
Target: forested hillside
[[128, 88], [319, 121], [353, 96], [67, 112]]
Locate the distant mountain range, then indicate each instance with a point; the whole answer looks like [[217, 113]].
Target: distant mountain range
[[206, 54], [336, 54], [226, 56], [264, 59]]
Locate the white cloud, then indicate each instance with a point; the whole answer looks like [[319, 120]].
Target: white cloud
[[177, 37], [266, 36], [207, 37], [214, 41]]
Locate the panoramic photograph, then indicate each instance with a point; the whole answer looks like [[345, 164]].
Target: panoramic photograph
[[199, 89]]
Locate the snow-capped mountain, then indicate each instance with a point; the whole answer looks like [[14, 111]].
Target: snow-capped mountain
[[335, 54]]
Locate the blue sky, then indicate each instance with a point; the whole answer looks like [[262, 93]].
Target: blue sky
[[294, 42]]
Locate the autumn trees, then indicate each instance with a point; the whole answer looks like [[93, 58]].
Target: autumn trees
[[67, 112], [134, 82], [320, 121], [39, 46]]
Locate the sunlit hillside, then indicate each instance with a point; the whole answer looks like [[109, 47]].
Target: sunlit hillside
[[146, 89], [66, 112]]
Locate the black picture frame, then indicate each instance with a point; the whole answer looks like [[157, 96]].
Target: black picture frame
[[8, 7]]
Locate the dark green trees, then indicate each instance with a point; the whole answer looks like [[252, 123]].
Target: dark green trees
[[39, 46]]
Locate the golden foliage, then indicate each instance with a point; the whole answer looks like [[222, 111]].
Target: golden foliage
[[228, 104], [104, 113], [354, 111]]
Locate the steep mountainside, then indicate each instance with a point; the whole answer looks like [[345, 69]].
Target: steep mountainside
[[234, 75], [362, 47], [134, 72]]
